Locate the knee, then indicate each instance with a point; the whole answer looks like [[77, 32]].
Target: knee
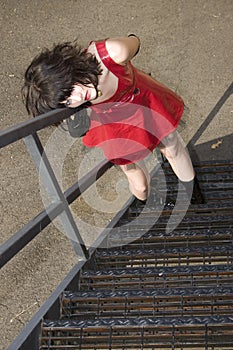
[[141, 188], [171, 147], [170, 152]]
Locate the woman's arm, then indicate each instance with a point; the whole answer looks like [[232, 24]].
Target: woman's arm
[[123, 49]]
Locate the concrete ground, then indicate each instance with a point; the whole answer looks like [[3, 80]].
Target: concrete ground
[[186, 44]]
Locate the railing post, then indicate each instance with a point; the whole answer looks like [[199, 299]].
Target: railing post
[[55, 193]]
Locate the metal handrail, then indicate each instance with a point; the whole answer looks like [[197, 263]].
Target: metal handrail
[[27, 131], [32, 125]]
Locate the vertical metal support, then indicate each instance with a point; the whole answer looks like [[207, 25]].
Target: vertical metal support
[[55, 193]]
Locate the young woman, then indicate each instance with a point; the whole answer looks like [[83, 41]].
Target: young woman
[[131, 113]]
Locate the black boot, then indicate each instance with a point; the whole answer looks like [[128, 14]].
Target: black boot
[[193, 191], [137, 206], [154, 202], [132, 212]]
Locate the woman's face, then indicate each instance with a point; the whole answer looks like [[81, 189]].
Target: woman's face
[[81, 94]]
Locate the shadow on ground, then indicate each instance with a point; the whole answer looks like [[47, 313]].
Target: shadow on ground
[[216, 149]]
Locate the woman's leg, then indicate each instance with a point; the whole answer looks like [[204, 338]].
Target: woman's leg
[[138, 178], [173, 149]]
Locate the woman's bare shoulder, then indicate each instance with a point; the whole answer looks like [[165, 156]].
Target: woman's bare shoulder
[[122, 49]]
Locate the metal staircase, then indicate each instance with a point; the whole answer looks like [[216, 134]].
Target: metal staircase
[[155, 289]]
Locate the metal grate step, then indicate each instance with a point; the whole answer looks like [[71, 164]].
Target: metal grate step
[[139, 333], [172, 302], [201, 219], [157, 289], [216, 180], [179, 256], [179, 238], [158, 277]]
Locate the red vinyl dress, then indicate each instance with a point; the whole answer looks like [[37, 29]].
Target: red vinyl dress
[[129, 125]]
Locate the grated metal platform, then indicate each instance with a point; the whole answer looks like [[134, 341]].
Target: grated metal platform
[[156, 289]]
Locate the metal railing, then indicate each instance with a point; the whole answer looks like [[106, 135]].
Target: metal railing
[[59, 206], [60, 201]]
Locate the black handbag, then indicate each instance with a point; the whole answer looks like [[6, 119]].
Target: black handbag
[[78, 123]]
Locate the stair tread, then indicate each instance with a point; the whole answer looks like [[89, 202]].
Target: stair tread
[[158, 292], [159, 270], [197, 219], [116, 253], [153, 232], [158, 238], [142, 322]]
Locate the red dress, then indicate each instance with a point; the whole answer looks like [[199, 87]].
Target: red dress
[[129, 125]]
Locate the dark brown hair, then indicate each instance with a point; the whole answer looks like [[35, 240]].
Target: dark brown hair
[[50, 78]]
